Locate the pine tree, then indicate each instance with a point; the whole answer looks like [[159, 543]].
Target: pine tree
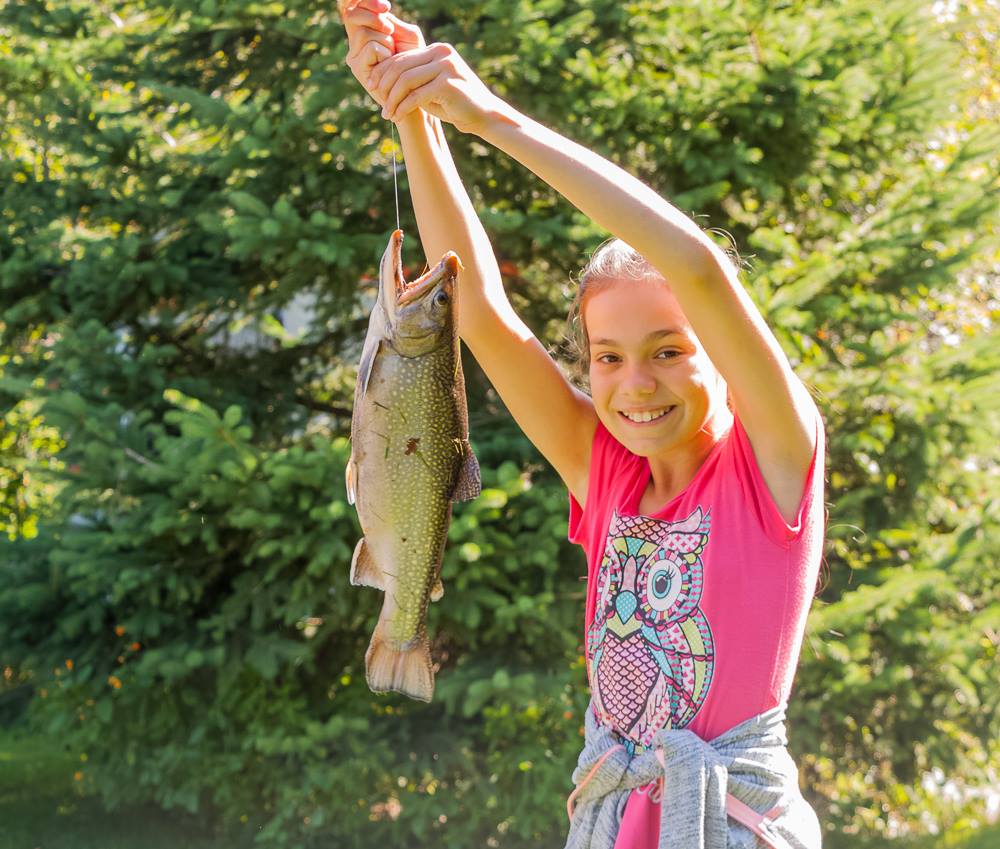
[[180, 180]]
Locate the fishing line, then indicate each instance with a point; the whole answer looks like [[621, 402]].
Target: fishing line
[[395, 187]]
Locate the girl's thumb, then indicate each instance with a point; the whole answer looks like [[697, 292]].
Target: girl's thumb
[[409, 32]]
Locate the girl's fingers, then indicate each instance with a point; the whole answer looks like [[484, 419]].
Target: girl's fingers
[[363, 18], [377, 6], [385, 74], [408, 82], [368, 56], [371, 54], [407, 36], [363, 38], [414, 100]]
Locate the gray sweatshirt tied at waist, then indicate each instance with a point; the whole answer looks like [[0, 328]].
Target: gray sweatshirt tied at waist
[[749, 762]]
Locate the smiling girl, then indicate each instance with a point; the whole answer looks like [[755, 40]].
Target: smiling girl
[[694, 469]]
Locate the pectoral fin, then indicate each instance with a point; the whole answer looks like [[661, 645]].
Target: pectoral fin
[[365, 366], [365, 572], [351, 480], [469, 483]]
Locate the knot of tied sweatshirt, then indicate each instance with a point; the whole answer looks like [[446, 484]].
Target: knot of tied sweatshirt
[[737, 791]]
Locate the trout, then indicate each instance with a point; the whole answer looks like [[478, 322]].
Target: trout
[[410, 458]]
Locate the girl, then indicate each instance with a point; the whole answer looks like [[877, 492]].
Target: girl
[[694, 469]]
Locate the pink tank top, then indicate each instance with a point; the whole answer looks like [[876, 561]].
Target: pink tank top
[[695, 614]]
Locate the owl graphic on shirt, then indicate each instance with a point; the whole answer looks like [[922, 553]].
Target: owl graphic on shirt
[[649, 646]]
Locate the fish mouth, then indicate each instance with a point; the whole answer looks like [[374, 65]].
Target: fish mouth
[[448, 266]]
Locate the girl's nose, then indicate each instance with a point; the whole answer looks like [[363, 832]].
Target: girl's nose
[[637, 381]]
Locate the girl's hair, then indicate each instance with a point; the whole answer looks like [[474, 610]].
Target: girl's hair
[[613, 260]]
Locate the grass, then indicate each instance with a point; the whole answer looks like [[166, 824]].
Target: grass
[[986, 838], [40, 808]]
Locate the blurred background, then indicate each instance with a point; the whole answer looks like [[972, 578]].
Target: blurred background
[[195, 196]]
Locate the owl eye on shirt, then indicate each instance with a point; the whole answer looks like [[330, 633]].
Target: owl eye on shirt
[[664, 587]]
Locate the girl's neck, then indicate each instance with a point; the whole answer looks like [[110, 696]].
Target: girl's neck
[[669, 474]]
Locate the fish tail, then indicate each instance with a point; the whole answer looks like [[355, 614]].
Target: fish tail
[[407, 671], [365, 572]]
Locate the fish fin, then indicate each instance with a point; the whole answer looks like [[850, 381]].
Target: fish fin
[[469, 483], [350, 479], [365, 368], [407, 671], [437, 591], [365, 572]]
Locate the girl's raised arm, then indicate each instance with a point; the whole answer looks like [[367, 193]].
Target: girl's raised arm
[[775, 408], [558, 418]]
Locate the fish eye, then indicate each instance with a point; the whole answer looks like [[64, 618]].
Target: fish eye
[[441, 298]]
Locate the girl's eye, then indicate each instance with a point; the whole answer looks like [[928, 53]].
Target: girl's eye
[[670, 354]]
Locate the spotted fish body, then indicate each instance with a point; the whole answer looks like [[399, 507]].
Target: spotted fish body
[[410, 458]]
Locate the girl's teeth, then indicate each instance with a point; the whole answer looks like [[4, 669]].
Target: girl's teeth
[[644, 417]]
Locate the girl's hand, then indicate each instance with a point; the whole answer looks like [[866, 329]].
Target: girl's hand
[[437, 80], [374, 34]]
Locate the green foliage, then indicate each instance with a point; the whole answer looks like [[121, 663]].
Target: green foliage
[[41, 804], [171, 463]]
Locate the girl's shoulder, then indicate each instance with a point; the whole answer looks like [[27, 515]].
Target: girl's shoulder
[[783, 521]]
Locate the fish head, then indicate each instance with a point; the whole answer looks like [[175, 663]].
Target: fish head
[[421, 315]]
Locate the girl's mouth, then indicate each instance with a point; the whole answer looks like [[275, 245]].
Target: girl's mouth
[[645, 417]]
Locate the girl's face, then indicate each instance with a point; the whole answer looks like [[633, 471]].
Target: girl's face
[[653, 385]]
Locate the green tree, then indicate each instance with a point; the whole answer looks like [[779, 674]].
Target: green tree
[[179, 178]]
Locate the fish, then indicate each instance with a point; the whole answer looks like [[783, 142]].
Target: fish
[[410, 460]]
